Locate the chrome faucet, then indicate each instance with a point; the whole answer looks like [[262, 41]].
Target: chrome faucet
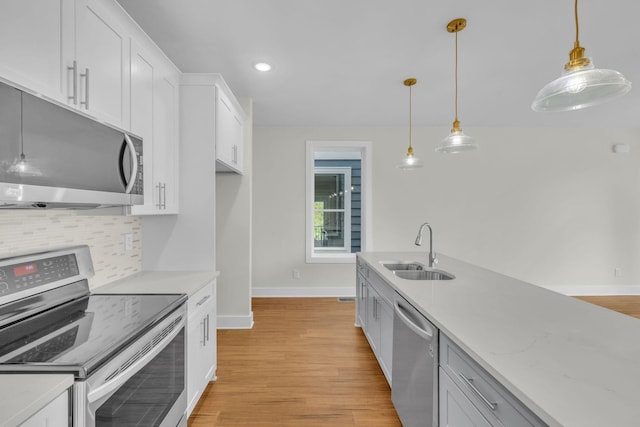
[[432, 255]]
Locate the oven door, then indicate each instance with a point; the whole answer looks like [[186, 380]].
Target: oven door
[[144, 385]]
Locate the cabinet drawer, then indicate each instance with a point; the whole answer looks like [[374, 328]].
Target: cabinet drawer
[[486, 393], [381, 287], [198, 300]]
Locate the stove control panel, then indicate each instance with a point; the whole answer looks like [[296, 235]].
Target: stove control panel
[[26, 275]]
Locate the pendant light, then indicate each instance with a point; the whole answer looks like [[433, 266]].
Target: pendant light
[[21, 166], [410, 162], [581, 84], [457, 141]]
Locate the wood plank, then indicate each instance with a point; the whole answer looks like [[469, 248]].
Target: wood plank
[[303, 364]]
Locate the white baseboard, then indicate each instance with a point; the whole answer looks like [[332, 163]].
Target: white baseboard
[[290, 292], [234, 322], [598, 290]]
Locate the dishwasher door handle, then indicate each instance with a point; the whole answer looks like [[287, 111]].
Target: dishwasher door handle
[[401, 311]]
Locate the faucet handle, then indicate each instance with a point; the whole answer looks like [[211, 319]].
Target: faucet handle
[[434, 258]]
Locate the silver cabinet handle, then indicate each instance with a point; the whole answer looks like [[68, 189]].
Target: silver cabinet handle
[[203, 300], [469, 383], [208, 326], [203, 341], [164, 195], [159, 202], [74, 77], [86, 88]]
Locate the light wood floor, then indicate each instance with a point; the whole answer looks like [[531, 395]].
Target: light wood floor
[[303, 364], [622, 303]]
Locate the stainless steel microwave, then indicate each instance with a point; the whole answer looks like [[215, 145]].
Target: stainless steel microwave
[[53, 157]]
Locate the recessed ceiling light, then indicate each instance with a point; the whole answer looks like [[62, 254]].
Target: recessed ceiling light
[[262, 66]]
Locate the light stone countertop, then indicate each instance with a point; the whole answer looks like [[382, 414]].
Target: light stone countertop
[[159, 282], [22, 395], [574, 364]]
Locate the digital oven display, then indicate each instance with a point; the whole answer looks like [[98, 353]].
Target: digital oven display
[[23, 270]]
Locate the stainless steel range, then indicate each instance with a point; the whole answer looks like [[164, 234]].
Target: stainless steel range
[[127, 352]]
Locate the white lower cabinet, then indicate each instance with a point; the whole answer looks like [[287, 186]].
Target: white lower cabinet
[[456, 410], [55, 414], [375, 315], [470, 397], [201, 343]]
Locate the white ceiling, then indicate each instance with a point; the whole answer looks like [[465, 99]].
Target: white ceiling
[[343, 62]]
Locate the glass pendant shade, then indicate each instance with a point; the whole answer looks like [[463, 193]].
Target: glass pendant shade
[[22, 167], [581, 87], [410, 162], [456, 142]]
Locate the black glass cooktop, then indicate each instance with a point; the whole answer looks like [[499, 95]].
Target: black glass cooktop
[[80, 335]]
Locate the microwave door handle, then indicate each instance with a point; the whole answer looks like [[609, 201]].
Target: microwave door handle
[[134, 164], [109, 387]]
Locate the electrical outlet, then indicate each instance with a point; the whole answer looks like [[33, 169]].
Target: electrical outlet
[[617, 272], [128, 242], [295, 274]]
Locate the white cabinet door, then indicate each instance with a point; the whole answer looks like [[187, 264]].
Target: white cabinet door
[[201, 343], [102, 62], [35, 38], [142, 75], [229, 134], [165, 144], [386, 338], [72, 51], [361, 302], [55, 414], [456, 410], [154, 117]]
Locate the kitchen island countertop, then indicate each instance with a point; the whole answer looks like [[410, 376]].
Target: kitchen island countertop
[[572, 363]]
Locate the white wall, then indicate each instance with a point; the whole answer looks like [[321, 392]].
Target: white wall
[[554, 207]]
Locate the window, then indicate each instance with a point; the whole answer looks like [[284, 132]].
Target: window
[[332, 209], [338, 200]]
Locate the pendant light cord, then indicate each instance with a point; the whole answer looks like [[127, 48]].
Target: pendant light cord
[[456, 103], [410, 147], [22, 156], [575, 12]]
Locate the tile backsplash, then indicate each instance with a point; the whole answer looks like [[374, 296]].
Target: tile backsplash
[[30, 231]]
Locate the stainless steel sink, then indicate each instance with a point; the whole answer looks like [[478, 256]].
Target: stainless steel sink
[[403, 265], [423, 274]]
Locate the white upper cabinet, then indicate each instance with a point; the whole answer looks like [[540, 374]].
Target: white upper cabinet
[[229, 132], [36, 38], [71, 51], [101, 63], [90, 56], [165, 142], [154, 117]]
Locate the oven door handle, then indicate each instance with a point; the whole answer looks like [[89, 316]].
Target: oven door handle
[[124, 376]]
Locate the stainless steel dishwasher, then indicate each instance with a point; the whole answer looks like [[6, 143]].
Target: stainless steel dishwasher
[[414, 389]]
